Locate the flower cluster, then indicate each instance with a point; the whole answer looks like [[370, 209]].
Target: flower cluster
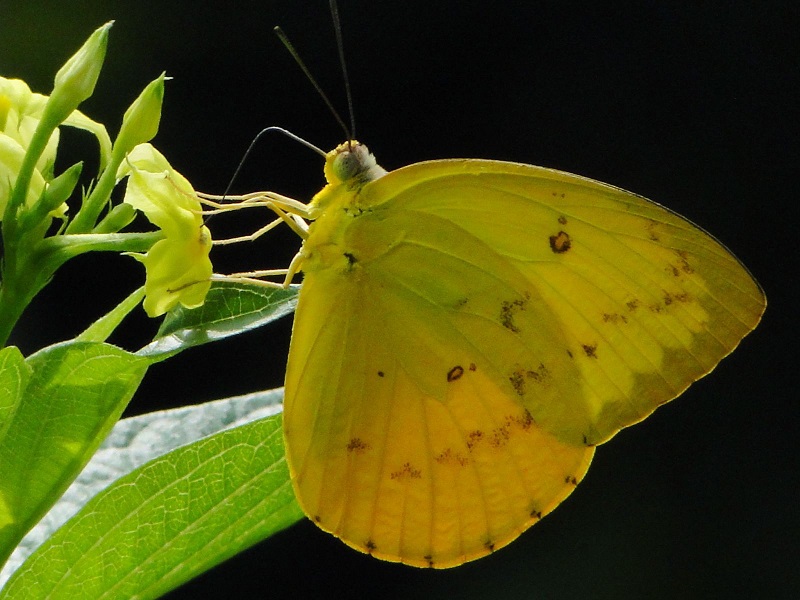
[[20, 114], [178, 267], [176, 258]]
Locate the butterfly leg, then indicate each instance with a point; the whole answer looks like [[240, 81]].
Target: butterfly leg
[[294, 268], [253, 236], [253, 278], [290, 205], [288, 210]]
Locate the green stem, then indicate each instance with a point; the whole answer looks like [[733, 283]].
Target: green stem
[[11, 307], [89, 212], [20, 284], [20, 192], [30, 275], [63, 247], [35, 148]]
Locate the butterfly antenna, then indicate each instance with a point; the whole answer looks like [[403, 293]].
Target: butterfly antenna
[[264, 131], [337, 27], [285, 41]]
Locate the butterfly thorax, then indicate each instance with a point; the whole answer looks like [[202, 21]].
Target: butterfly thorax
[[348, 169]]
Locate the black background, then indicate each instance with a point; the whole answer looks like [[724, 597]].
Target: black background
[[690, 104]]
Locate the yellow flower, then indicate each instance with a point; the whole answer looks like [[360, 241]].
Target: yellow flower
[[20, 113], [178, 268], [11, 156]]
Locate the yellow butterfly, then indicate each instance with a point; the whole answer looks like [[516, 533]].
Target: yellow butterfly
[[468, 331]]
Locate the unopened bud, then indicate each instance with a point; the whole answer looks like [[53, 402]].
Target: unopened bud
[[140, 123]]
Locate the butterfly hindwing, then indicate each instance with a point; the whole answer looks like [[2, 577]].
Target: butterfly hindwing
[[406, 435]]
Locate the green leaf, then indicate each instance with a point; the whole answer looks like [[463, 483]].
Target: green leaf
[[229, 309], [100, 330], [173, 518], [14, 375], [134, 441], [76, 392]]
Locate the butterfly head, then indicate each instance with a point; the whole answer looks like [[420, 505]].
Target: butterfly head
[[352, 164], [348, 168]]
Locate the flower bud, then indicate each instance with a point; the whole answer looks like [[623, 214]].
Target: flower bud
[[118, 217], [60, 189], [140, 123], [75, 81]]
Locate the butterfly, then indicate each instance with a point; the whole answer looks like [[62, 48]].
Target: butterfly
[[468, 331]]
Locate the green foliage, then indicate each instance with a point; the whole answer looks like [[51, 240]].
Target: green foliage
[[169, 520], [14, 376], [90, 505], [67, 399], [76, 392], [229, 309]]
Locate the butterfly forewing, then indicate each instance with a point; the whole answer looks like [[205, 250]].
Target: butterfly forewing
[[646, 302]]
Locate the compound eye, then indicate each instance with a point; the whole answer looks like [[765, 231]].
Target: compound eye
[[348, 164]]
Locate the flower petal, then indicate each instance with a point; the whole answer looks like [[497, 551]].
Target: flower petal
[[177, 271]]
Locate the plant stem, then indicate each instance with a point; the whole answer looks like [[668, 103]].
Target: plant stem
[[29, 275], [88, 213]]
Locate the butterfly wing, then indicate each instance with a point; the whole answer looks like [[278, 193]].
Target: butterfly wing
[[468, 330]]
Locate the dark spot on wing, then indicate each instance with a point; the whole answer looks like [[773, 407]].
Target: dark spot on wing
[[450, 457], [569, 353], [562, 219], [406, 472], [667, 300], [522, 375], [517, 379], [472, 367], [540, 374], [351, 259], [535, 513], [590, 350], [317, 519], [632, 305], [461, 302], [455, 373], [559, 195], [499, 436], [508, 309], [429, 558], [684, 265], [571, 480], [358, 446], [381, 374], [489, 545], [560, 242], [652, 234], [614, 318], [473, 437], [525, 421], [370, 546], [354, 211]]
